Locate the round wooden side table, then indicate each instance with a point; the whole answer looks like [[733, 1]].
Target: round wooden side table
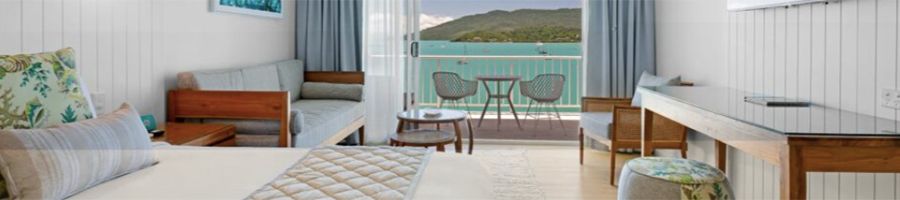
[[423, 138], [444, 116]]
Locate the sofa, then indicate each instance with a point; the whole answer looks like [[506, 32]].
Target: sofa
[[277, 104]]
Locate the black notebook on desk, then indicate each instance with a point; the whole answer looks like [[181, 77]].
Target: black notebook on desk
[[776, 101]]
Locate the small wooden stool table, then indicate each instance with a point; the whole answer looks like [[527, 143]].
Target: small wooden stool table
[[189, 134], [432, 137]]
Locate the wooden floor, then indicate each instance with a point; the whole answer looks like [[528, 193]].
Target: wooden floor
[[559, 174]]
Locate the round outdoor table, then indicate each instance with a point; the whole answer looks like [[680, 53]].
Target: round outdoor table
[[499, 96], [417, 116]]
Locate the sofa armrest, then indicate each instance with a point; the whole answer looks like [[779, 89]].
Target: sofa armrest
[[186, 104], [602, 104]]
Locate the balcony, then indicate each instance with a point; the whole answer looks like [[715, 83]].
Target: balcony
[[526, 67]]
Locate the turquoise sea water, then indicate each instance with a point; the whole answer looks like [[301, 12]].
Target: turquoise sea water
[[452, 56], [495, 49]]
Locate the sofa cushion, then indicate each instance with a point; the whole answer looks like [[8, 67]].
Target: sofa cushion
[[57, 162], [269, 77], [648, 79], [290, 75], [229, 79], [323, 118], [261, 78], [314, 90], [596, 124]]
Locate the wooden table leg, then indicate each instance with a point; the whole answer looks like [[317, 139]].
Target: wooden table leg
[[721, 155], [793, 174], [646, 132], [440, 148], [458, 143], [471, 135], [399, 126]]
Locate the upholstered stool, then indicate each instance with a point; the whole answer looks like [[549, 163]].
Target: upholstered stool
[[672, 178]]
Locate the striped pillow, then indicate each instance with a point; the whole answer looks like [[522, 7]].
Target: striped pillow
[[61, 161]]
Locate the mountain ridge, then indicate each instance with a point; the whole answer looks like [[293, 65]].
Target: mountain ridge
[[511, 26]]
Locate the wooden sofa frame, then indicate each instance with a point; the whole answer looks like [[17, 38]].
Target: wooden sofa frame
[[625, 130], [257, 105]]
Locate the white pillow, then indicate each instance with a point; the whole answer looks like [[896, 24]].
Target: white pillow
[[60, 161], [650, 81]]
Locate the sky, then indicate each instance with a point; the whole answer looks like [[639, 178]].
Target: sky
[[435, 12]]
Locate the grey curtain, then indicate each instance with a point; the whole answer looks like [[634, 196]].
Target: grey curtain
[[329, 34], [620, 45]]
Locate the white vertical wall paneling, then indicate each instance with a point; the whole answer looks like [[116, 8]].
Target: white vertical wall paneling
[[792, 61], [89, 43], [768, 65], [886, 53], [53, 24], [32, 26], [840, 54], [850, 63], [832, 68], [119, 43], [10, 16], [71, 26], [866, 76], [779, 66]]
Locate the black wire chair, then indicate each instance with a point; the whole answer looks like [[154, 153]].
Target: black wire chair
[[543, 91]]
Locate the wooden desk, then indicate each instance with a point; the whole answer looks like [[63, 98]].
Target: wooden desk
[[198, 134], [872, 146]]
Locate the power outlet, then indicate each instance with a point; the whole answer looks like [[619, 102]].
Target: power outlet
[[891, 98]]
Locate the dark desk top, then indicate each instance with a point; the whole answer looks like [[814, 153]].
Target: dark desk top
[[815, 120]]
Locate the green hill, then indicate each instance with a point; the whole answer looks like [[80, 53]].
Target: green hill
[[526, 25]]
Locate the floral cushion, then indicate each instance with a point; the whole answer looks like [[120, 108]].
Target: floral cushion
[[40, 90], [698, 180]]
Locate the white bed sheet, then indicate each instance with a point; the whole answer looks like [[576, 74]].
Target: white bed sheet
[[235, 173]]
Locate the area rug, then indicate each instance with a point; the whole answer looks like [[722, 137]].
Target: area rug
[[511, 174]]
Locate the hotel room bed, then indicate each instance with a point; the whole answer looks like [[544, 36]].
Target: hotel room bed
[[235, 173]]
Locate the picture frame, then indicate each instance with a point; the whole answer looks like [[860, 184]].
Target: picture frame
[[262, 8]]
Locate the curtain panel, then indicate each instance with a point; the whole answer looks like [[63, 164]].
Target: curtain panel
[[329, 34], [620, 45]]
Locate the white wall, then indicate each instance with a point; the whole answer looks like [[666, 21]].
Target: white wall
[[130, 50], [840, 54]]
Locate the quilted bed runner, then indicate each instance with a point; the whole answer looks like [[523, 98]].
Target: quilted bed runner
[[335, 172]]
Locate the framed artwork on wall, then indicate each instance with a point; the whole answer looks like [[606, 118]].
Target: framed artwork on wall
[[264, 8]]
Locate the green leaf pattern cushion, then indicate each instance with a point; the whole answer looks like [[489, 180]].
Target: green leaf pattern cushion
[[698, 180], [40, 90]]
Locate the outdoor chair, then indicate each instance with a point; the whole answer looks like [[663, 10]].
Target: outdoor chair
[[543, 91], [450, 86]]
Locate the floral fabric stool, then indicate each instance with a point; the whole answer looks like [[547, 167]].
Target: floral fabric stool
[[672, 178]]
